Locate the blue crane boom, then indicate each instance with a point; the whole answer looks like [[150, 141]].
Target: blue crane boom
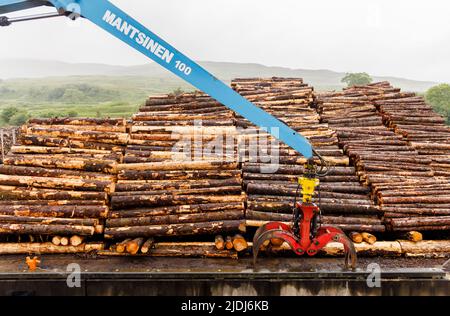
[[116, 22]]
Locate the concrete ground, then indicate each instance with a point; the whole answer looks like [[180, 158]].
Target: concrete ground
[[195, 276]]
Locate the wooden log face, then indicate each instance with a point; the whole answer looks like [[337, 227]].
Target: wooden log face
[[66, 211], [167, 200], [19, 193], [174, 219], [176, 229], [41, 229]]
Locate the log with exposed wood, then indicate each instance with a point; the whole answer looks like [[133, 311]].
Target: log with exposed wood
[[186, 229], [401, 157], [48, 248], [219, 242], [56, 179], [180, 249], [270, 174], [147, 245], [239, 243]]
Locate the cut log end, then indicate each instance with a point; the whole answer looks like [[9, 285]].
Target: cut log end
[[219, 242], [369, 238], [414, 236], [356, 237], [239, 243]]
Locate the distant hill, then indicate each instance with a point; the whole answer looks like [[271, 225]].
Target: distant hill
[[320, 79]]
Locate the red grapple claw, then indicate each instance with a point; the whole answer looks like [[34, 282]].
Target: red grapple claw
[[305, 241]]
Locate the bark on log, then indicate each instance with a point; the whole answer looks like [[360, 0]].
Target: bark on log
[[179, 165], [178, 175], [10, 219], [188, 249], [46, 248], [93, 165], [23, 229], [180, 209], [68, 211], [53, 173], [176, 229], [148, 244], [145, 185], [167, 200], [175, 219], [56, 183], [20, 193]]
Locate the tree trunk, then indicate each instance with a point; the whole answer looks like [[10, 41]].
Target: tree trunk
[[175, 229], [175, 219], [23, 229]]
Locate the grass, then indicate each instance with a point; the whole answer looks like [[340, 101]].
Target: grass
[[83, 96]]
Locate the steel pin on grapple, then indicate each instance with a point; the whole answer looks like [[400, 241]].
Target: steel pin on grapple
[[305, 235]]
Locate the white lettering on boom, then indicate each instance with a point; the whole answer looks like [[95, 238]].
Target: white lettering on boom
[[141, 38]]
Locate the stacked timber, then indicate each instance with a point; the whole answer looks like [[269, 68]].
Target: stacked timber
[[402, 181], [55, 181], [8, 137], [271, 169], [180, 175], [410, 116]]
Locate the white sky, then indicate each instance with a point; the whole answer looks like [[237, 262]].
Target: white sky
[[404, 38]]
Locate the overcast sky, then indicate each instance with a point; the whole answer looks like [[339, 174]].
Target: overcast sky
[[404, 38]]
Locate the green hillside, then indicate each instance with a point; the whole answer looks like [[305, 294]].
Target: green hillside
[[49, 88]]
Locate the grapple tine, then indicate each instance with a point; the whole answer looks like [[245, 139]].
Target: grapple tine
[[264, 234], [258, 241], [350, 252]]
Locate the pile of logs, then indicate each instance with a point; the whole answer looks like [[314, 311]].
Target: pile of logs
[[8, 137], [271, 170], [180, 175], [55, 181], [410, 116], [402, 180]]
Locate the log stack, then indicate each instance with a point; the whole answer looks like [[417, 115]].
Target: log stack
[[410, 116], [402, 180], [55, 181], [180, 175], [8, 137], [271, 170]]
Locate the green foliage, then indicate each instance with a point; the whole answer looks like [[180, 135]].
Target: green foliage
[[19, 119], [82, 96], [359, 78], [48, 115], [439, 97], [177, 92], [8, 113], [72, 114]]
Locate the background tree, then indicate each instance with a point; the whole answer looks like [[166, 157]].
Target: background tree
[[358, 78], [19, 119], [177, 92], [439, 97], [8, 112]]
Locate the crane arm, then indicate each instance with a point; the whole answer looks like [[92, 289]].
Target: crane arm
[[116, 22]]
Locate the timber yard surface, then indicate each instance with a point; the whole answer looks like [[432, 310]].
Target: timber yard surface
[[194, 276], [112, 196]]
